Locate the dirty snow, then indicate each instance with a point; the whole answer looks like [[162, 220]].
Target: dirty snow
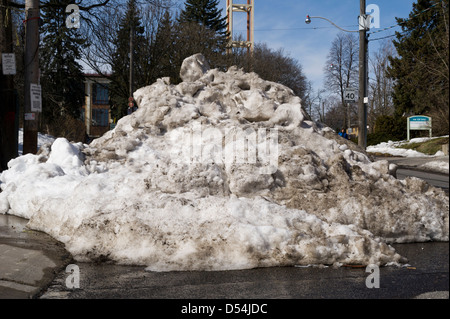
[[436, 163], [394, 148], [221, 171], [436, 166]]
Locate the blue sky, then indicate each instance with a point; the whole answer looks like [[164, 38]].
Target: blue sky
[[281, 24]]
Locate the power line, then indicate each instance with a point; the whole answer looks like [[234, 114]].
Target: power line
[[350, 26], [299, 28], [386, 37], [405, 20]]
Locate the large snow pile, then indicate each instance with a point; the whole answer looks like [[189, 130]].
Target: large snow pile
[[221, 171]]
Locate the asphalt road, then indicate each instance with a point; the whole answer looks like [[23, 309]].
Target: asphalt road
[[435, 179], [425, 274], [412, 167]]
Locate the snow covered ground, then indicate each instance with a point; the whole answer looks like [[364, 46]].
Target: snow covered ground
[[394, 148], [43, 139], [221, 171]]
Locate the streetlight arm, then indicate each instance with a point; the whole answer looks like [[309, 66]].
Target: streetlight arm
[[309, 17]]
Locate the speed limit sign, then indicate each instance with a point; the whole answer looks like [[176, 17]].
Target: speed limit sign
[[350, 95]]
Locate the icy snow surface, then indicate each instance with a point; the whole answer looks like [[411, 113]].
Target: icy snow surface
[[221, 171], [394, 148]]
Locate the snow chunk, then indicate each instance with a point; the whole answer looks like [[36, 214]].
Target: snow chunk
[[68, 156], [193, 68]]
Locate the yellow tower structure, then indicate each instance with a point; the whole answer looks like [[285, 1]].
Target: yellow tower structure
[[245, 8]]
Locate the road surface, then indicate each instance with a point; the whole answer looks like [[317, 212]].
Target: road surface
[[437, 180], [427, 273], [413, 167]]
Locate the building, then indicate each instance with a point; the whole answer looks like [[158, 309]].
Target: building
[[353, 131], [96, 109]]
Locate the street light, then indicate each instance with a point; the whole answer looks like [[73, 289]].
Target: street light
[[308, 20], [364, 26]]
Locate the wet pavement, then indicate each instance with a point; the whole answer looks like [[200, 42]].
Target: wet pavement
[[29, 260], [33, 265], [426, 275]]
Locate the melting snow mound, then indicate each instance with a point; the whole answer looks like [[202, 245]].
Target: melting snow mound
[[221, 171]]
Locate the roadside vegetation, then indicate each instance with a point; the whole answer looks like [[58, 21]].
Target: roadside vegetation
[[429, 147]]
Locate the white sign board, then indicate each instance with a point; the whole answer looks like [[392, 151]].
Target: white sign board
[[350, 95], [9, 63], [36, 100], [419, 122], [30, 116]]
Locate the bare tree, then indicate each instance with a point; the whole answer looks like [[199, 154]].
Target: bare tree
[[334, 117], [273, 65], [102, 31], [341, 70], [381, 86], [314, 103]]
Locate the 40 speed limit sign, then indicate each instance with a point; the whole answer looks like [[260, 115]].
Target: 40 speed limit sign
[[350, 95]]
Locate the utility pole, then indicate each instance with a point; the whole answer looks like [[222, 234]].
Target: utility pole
[[8, 104], [364, 25], [362, 103], [31, 76]]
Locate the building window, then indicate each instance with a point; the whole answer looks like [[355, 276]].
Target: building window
[[100, 117], [101, 94]]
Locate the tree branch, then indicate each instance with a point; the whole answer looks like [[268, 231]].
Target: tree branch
[[43, 4]]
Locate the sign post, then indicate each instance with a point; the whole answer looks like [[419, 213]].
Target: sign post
[[8, 63], [419, 123]]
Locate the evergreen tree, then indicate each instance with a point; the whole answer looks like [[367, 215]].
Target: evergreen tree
[[120, 77], [200, 29], [206, 13], [421, 70], [62, 76], [163, 49]]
